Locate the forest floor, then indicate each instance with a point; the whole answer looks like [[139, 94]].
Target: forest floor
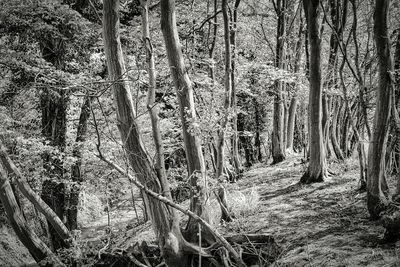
[[322, 224]]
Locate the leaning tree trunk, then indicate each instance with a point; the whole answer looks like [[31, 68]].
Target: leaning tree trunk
[[278, 148], [377, 190], [165, 223], [184, 91], [317, 167], [61, 230], [36, 247]]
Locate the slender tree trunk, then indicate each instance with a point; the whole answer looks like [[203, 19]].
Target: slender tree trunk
[[278, 148], [377, 190], [316, 171], [36, 247], [285, 123], [76, 169], [165, 223], [38, 203], [333, 132], [211, 51], [326, 123], [184, 90], [235, 141], [228, 91], [151, 105]]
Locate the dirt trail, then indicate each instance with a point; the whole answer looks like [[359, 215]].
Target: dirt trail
[[323, 224]]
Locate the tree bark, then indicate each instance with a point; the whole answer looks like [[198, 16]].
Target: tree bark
[[294, 101], [184, 91], [291, 122], [76, 169], [235, 139], [165, 223], [377, 190], [151, 105], [36, 247], [316, 171], [278, 148], [54, 190], [228, 91], [61, 230], [333, 132]]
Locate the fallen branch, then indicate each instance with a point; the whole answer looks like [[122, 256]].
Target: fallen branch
[[219, 238]]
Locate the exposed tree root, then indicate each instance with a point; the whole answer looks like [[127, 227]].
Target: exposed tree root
[[254, 249]]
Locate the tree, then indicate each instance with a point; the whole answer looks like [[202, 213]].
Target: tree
[[316, 170], [278, 147], [37, 248], [377, 189], [184, 92], [228, 91], [165, 222]]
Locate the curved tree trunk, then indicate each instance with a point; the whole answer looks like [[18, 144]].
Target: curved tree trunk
[[316, 171], [184, 91], [294, 101], [377, 195], [334, 127], [165, 223], [60, 229]]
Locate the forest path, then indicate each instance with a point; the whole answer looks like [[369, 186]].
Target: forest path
[[322, 224]]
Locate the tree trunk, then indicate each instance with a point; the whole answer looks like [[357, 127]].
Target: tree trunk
[[325, 123], [377, 190], [76, 169], [61, 230], [334, 127], [228, 91], [165, 223], [316, 171], [278, 148], [151, 105], [291, 121], [54, 190], [184, 93], [235, 142], [294, 101], [36, 247]]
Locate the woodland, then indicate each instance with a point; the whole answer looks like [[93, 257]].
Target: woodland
[[199, 133]]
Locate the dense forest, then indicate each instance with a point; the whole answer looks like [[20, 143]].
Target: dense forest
[[199, 133]]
